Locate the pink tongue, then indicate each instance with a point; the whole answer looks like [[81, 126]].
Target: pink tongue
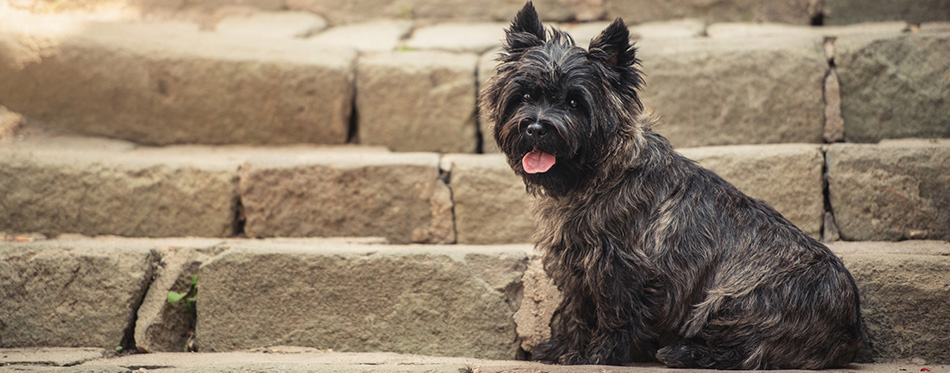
[[537, 161]]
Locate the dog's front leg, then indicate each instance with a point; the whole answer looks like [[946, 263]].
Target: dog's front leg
[[572, 325], [621, 289]]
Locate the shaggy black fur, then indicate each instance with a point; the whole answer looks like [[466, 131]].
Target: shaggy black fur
[[655, 256]]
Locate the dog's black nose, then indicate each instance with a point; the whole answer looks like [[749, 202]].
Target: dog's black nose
[[537, 130]]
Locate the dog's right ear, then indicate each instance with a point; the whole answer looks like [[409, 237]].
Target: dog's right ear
[[526, 30]]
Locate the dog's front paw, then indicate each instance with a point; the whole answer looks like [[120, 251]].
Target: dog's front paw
[[552, 352]]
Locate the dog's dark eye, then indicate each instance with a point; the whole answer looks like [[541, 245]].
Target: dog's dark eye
[[527, 97], [573, 103]]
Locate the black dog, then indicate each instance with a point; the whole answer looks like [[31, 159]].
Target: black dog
[[655, 256]]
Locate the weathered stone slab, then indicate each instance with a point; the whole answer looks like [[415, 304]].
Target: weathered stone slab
[[273, 25], [430, 300], [839, 12], [72, 294], [905, 297], [417, 101], [736, 91], [162, 326], [738, 30], [491, 205], [9, 122], [346, 11], [50, 356], [458, 37], [788, 177], [97, 187], [673, 29], [168, 83], [375, 36], [347, 193], [638, 11], [894, 87], [893, 191]]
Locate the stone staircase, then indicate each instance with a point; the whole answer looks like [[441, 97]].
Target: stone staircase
[[223, 148]]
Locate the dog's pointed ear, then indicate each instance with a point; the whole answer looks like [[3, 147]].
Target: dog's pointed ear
[[612, 45], [526, 30]]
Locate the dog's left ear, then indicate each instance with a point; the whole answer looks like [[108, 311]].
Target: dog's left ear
[[612, 45]]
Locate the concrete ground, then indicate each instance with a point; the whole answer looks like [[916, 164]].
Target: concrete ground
[[297, 359]]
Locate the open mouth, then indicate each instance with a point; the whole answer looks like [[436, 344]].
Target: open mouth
[[537, 161]]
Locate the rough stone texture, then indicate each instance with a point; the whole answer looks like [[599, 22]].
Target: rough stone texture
[[168, 83], [347, 11], [638, 11], [893, 191], [347, 193], [417, 101], [491, 205], [272, 25], [162, 326], [735, 91], [540, 300], [840, 12], [675, 29], [905, 297], [935, 27], [301, 360], [9, 122], [788, 177], [97, 187], [834, 124], [486, 68], [375, 36], [420, 299], [458, 37], [738, 30], [50, 356], [894, 87], [71, 294]]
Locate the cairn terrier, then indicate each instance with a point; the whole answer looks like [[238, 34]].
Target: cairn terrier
[[655, 256]]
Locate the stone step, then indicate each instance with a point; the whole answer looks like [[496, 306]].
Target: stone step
[[284, 77], [361, 296], [298, 359], [53, 185], [341, 11]]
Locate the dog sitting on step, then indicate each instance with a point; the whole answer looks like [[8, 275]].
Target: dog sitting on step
[[655, 256]]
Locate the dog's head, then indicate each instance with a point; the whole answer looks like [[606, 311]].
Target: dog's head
[[557, 109]]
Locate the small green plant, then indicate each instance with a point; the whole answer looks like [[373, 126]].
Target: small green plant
[[190, 297], [405, 12]]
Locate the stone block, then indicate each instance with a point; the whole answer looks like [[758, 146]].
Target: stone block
[[798, 12], [417, 101], [540, 300], [896, 190], [458, 37], [788, 177], [345, 11], [162, 326], [491, 205], [168, 83], [905, 297], [9, 122], [428, 300], [96, 187], [894, 87], [49, 356], [736, 91], [840, 12], [273, 25], [72, 294], [374, 36], [745, 30], [332, 193]]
